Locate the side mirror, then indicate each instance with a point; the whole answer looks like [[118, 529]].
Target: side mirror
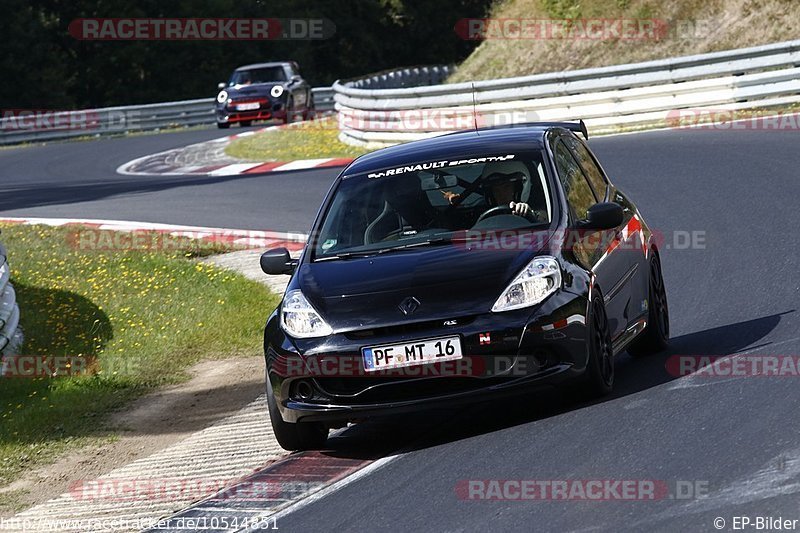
[[296, 79], [277, 261], [605, 215], [221, 85]]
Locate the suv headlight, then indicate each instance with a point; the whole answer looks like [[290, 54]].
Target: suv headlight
[[299, 319], [276, 91], [222, 96], [538, 280]]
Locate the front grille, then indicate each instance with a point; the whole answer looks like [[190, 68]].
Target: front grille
[[399, 389], [250, 101]]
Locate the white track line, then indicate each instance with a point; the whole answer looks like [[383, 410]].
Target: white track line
[[231, 170], [301, 164]]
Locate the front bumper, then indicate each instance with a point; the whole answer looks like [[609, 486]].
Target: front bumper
[[268, 109], [504, 353]]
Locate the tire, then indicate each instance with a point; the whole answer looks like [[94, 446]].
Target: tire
[[310, 113], [599, 377], [223, 125], [289, 111], [246, 123], [297, 436], [655, 336]]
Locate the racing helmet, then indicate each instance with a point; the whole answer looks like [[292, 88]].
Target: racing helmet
[[500, 172]]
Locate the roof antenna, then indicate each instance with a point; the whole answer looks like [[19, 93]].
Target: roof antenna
[[474, 107]]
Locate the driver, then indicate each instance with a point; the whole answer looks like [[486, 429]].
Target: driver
[[502, 183]]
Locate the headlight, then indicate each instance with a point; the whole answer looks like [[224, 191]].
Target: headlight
[[222, 96], [538, 280], [276, 91], [299, 319]]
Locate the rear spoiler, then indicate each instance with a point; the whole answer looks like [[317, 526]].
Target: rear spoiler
[[577, 127]]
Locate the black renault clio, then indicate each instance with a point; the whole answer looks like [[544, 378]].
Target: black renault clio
[[457, 268]]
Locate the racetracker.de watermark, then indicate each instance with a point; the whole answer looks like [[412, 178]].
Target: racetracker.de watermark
[[43, 120], [55, 366], [591, 29], [733, 120], [733, 366], [583, 29], [200, 29], [411, 120], [424, 120], [576, 240], [101, 240], [598, 490], [47, 120], [352, 366]]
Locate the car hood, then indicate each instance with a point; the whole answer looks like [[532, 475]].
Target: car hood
[[258, 89], [448, 281]]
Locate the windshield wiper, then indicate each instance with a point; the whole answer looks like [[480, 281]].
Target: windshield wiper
[[343, 255], [433, 241]]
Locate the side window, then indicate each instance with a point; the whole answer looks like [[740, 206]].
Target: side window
[[589, 166], [579, 194]]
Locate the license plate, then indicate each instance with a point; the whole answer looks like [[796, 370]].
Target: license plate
[[411, 353], [247, 107]]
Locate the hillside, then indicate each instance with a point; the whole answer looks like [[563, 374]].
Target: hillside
[[685, 27]]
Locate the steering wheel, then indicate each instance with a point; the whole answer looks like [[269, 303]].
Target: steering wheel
[[494, 211], [505, 210]]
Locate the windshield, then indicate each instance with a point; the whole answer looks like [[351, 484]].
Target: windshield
[[257, 75], [432, 202]]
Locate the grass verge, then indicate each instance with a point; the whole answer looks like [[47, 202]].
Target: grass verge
[[306, 140], [11, 501], [687, 27], [135, 319]]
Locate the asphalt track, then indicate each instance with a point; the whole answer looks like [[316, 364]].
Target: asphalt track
[[79, 180], [738, 439]]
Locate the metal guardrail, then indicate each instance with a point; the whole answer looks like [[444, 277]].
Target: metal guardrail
[[39, 126], [404, 77], [10, 332], [323, 99], [604, 97]]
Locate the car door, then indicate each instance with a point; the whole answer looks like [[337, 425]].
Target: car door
[[297, 86], [629, 239], [591, 248]]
